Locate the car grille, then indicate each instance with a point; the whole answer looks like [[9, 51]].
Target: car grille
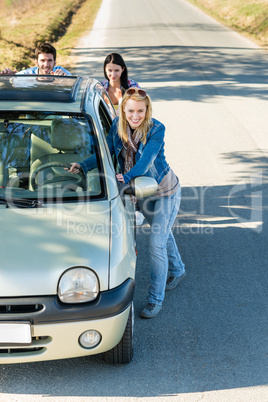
[[17, 350], [37, 347], [20, 308]]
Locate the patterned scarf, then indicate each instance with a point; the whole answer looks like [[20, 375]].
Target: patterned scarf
[[131, 148]]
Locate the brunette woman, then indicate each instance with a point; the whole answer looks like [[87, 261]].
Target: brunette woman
[[117, 81]]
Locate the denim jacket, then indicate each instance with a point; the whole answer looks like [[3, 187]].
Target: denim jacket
[[150, 158]]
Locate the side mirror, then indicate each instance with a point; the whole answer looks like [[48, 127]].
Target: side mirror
[[140, 187]]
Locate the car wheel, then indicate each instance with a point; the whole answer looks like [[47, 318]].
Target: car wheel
[[122, 353]]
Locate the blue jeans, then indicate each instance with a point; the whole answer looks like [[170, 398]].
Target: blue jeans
[[160, 213]]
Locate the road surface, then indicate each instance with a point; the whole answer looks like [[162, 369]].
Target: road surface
[[209, 86]]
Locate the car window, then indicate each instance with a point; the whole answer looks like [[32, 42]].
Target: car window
[[108, 103], [105, 118], [106, 123], [35, 149]]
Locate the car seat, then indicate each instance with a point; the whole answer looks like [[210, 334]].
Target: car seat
[[68, 143], [14, 153]]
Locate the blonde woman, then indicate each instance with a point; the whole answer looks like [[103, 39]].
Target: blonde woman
[[137, 141]]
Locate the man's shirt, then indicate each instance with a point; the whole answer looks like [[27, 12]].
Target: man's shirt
[[34, 70]]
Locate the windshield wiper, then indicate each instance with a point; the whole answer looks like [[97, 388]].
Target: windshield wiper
[[20, 202]]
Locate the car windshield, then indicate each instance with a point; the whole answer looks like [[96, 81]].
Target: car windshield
[[36, 150]]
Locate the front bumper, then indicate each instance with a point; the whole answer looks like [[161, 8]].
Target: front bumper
[[56, 327]]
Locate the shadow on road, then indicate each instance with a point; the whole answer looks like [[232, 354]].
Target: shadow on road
[[187, 73], [211, 332]]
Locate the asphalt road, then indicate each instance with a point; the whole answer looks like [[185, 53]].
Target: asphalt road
[[209, 86]]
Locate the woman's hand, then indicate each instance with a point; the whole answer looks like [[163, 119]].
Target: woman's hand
[[74, 169], [120, 178]]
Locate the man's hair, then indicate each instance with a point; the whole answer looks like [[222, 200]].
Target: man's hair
[[45, 48]]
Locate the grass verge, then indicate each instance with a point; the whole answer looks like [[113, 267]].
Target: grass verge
[[248, 17], [82, 21], [25, 23]]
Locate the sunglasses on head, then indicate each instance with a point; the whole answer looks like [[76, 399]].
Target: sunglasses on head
[[132, 91]]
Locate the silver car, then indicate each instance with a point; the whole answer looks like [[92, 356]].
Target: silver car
[[67, 241]]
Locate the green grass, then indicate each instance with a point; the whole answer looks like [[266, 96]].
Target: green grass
[[249, 17], [24, 23], [81, 21]]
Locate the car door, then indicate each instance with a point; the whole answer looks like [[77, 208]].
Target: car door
[[106, 122]]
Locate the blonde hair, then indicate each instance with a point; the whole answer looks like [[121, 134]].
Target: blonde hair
[[145, 125]]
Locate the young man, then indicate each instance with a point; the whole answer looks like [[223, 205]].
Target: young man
[[45, 60]]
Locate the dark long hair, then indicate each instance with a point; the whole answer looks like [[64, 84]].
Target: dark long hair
[[116, 58]]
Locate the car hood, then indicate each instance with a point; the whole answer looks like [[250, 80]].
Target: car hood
[[38, 245]]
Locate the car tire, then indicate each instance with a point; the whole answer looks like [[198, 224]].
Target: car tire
[[122, 353]]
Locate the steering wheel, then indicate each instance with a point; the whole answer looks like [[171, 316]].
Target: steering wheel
[[79, 178]]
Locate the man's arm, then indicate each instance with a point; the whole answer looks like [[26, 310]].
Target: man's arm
[[58, 70], [8, 71], [34, 70]]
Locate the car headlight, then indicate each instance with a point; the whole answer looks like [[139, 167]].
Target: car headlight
[[78, 285]]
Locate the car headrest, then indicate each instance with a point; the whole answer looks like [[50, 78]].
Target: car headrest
[[67, 135]]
